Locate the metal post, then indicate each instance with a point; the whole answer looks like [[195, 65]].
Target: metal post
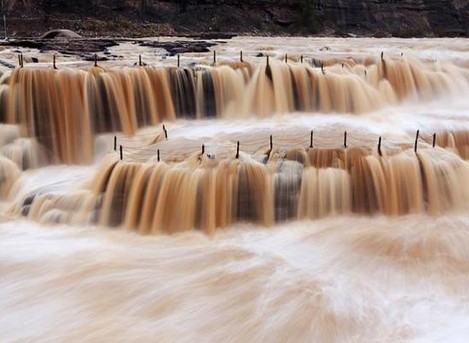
[[121, 153], [416, 140], [434, 140], [345, 139], [237, 149], [311, 139], [379, 146]]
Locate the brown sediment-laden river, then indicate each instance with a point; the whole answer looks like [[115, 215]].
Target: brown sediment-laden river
[[270, 190]]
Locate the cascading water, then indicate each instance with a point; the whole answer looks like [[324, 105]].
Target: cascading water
[[65, 109], [242, 201]]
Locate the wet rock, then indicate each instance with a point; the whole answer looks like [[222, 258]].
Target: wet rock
[[180, 47], [79, 46], [25, 210], [92, 58], [29, 199], [7, 64], [213, 35], [60, 33], [73, 46]]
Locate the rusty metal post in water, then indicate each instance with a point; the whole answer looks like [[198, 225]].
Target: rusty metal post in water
[[121, 153], [416, 140], [345, 139], [379, 146], [434, 140], [311, 139], [237, 149], [115, 143]]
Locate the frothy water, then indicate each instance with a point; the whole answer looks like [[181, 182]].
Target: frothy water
[[264, 210], [340, 279]]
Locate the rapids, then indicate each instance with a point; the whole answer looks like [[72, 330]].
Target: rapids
[[323, 198]]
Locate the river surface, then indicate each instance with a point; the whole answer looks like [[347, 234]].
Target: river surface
[[347, 275]]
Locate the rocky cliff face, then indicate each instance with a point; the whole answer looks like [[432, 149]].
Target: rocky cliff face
[[399, 18], [404, 18]]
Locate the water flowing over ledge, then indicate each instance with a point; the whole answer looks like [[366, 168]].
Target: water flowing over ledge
[[66, 109], [129, 212], [205, 193]]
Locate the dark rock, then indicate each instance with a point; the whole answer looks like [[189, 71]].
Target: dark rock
[[29, 199], [7, 64], [60, 33], [69, 47], [93, 58], [25, 210], [213, 35], [23, 44], [180, 47]]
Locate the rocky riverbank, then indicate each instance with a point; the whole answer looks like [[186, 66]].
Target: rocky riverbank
[[421, 18]]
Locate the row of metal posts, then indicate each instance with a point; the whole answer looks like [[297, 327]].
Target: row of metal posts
[[141, 63], [271, 144]]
